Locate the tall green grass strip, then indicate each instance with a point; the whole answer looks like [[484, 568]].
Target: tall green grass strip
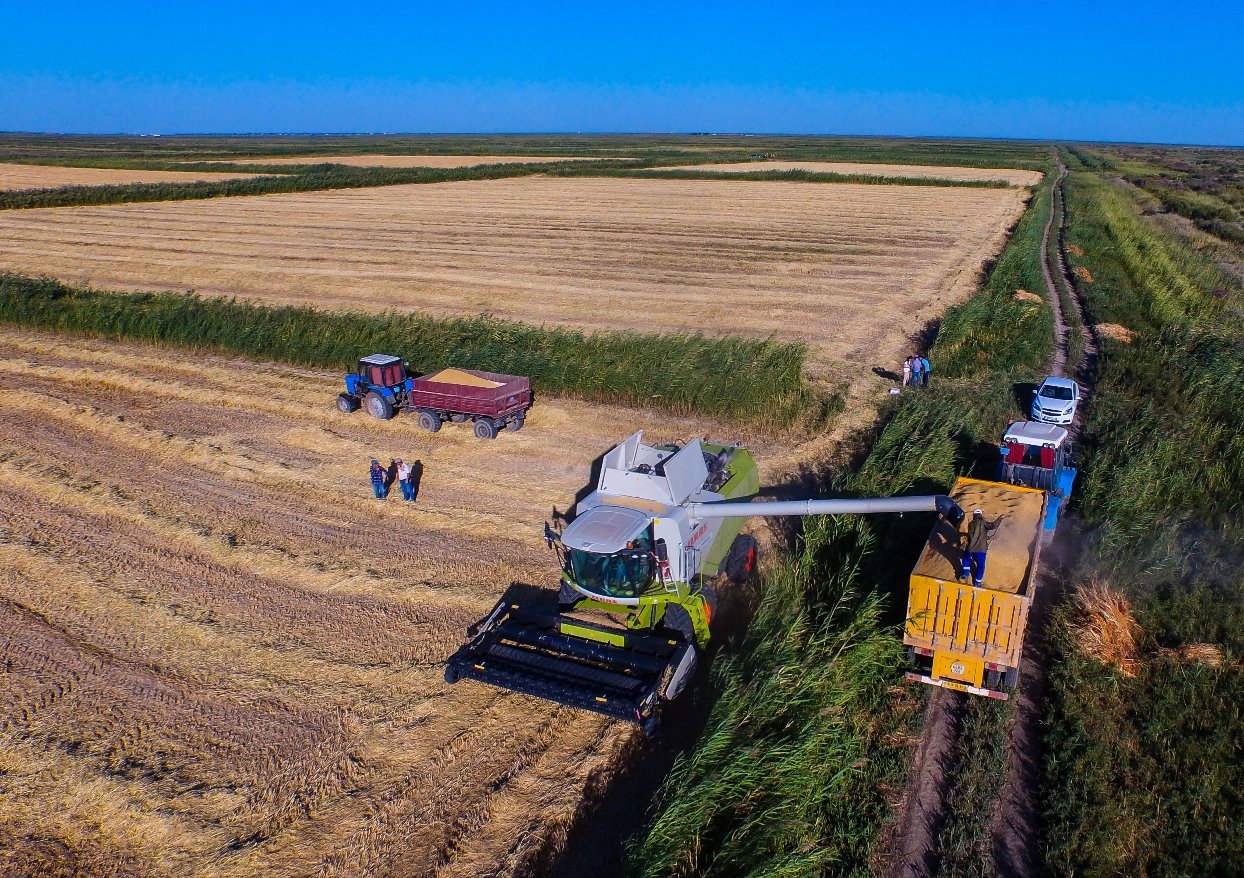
[[732, 377]]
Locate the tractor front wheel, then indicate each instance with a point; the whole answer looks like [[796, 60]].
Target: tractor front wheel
[[485, 429], [429, 421], [347, 403], [377, 406]]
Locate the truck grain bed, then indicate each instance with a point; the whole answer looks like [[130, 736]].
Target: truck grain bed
[[1012, 547]]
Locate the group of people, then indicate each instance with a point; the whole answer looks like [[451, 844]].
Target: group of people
[[405, 474], [916, 371]]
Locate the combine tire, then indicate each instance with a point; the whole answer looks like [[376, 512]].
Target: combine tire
[[377, 406], [429, 421], [741, 562], [347, 403], [710, 598], [452, 675], [515, 425], [485, 429]]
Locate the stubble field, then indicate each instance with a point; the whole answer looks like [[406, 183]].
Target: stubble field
[[850, 269], [53, 176], [222, 656], [412, 161]]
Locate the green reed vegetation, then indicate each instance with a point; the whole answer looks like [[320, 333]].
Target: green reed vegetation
[[807, 743], [1143, 774], [732, 377]]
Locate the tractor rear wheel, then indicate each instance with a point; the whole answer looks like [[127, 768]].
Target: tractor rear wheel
[[347, 402], [485, 429], [377, 406], [429, 421]]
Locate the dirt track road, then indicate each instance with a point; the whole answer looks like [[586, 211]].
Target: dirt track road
[[1014, 826]]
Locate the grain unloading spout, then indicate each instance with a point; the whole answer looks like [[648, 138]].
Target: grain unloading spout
[[939, 503]]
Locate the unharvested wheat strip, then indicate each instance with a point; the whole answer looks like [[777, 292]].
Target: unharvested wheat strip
[[1013, 176], [407, 161]]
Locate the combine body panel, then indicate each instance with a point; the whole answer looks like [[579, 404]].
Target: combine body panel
[[966, 637]]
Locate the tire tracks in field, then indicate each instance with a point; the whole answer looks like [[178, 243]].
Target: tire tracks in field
[[1013, 828]]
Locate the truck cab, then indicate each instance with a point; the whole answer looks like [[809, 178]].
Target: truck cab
[[1038, 455], [379, 385]]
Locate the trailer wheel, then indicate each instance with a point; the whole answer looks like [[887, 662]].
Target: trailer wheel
[[429, 421], [458, 419], [992, 679], [485, 429], [515, 425], [347, 403], [377, 406], [452, 674]]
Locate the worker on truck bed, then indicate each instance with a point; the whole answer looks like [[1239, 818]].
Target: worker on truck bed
[[979, 532]]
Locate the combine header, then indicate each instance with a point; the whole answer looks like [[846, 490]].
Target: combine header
[[649, 543]]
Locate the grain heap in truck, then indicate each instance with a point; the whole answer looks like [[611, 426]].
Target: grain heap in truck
[[965, 637]]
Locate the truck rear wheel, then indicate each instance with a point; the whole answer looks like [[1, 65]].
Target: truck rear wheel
[[347, 403], [1011, 679], [485, 429], [429, 421], [377, 406]]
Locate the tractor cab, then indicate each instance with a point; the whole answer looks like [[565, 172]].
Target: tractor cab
[[1037, 455], [378, 372]]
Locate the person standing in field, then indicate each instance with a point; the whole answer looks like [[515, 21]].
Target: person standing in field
[[907, 372], [979, 532], [404, 479], [377, 480], [917, 371], [925, 369]]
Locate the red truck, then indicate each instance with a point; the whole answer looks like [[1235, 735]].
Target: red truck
[[494, 402]]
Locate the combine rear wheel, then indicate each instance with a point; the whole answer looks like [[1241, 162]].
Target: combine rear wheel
[[741, 562]]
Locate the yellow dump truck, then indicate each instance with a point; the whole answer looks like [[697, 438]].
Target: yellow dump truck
[[966, 637]]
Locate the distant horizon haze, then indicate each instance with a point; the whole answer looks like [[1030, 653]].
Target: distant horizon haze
[[1113, 72]]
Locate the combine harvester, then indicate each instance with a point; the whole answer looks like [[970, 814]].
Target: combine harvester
[[970, 638], [662, 523]]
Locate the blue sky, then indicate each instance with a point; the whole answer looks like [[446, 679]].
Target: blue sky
[[1138, 71]]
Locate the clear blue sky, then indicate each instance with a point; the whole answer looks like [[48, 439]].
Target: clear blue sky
[[1149, 71]]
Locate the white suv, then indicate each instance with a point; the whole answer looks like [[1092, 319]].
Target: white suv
[[1055, 401]]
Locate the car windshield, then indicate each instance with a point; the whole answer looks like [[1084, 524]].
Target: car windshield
[[620, 575], [1053, 391]]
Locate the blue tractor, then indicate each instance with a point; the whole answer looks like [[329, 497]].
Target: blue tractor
[[1037, 455], [380, 386]]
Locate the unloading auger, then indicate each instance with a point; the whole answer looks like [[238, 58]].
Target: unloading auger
[[661, 527]]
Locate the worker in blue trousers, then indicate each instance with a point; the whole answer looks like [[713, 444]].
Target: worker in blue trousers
[[979, 532], [378, 478]]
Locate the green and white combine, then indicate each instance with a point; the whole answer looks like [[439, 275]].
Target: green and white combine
[[661, 527]]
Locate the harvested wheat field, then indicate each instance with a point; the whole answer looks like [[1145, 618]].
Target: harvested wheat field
[[850, 269], [223, 657], [52, 177], [411, 161], [1013, 176]]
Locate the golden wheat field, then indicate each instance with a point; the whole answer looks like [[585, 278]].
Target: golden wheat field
[[1013, 176], [52, 177], [223, 657], [850, 269], [411, 161]]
